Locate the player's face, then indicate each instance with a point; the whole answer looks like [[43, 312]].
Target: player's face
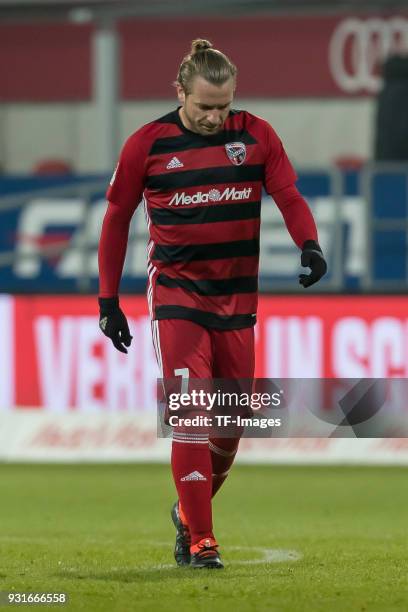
[[205, 109]]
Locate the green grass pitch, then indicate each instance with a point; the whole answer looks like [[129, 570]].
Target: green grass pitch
[[292, 538]]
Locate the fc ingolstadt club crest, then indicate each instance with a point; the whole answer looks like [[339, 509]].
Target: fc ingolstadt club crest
[[236, 152]]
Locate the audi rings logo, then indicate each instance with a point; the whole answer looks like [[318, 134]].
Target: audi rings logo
[[359, 47]]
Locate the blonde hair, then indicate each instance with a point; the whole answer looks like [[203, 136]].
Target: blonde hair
[[207, 62]]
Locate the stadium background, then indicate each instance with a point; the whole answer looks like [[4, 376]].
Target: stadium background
[[86, 487], [76, 79]]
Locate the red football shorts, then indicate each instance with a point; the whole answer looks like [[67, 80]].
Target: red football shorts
[[206, 353]]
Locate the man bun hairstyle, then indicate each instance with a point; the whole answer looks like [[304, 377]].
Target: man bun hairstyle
[[206, 62], [200, 44]]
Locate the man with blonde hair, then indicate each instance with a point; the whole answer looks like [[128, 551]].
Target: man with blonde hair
[[200, 170]]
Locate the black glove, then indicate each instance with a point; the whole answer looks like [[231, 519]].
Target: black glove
[[312, 257], [113, 323]]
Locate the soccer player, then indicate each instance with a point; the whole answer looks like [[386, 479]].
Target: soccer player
[[200, 171]]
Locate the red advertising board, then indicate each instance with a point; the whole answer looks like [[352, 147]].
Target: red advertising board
[[333, 336], [53, 355], [277, 56]]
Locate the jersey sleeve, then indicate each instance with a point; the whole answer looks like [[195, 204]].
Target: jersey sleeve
[[279, 172], [279, 182], [124, 194], [127, 183], [296, 214]]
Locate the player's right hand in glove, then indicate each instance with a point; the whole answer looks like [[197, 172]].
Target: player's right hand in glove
[[312, 257], [113, 323]]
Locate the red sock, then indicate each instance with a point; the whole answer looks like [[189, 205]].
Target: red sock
[[191, 466], [223, 451]]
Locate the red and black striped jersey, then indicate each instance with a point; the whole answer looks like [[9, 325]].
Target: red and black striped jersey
[[202, 197]]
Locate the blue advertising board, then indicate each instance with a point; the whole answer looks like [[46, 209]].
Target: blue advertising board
[[50, 228]]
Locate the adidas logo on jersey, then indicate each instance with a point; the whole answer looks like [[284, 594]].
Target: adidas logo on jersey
[[193, 476], [213, 195], [174, 163]]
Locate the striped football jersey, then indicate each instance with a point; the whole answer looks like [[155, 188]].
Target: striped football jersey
[[202, 198]]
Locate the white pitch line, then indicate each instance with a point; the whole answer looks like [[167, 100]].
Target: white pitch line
[[268, 555]]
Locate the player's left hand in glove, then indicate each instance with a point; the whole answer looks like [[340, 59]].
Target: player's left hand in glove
[[113, 323], [312, 257]]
